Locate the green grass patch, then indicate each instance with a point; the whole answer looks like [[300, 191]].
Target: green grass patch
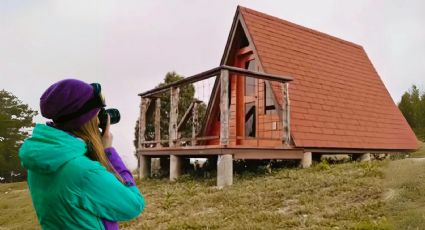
[[369, 195]]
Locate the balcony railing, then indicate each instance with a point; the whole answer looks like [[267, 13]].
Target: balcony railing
[[150, 109]]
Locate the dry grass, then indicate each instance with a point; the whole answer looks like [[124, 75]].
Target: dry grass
[[343, 196], [340, 196], [420, 152], [16, 211], [405, 193]]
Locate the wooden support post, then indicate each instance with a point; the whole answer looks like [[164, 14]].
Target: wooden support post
[[158, 122], [141, 135], [194, 123], [286, 124], [306, 160], [224, 162], [174, 113], [175, 161], [142, 121], [224, 108]]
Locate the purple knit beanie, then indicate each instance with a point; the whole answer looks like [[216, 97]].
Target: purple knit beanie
[[66, 97]]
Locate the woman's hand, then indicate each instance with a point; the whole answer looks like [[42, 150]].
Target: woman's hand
[[107, 135]]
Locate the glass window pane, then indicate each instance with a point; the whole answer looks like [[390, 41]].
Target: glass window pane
[[269, 106], [250, 119]]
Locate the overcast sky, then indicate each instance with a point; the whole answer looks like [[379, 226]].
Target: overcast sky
[[128, 46]]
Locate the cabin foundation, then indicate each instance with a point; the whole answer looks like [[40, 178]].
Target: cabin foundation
[[224, 170], [364, 157], [306, 160], [175, 167], [145, 166]]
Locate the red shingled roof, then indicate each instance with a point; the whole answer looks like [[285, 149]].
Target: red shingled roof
[[337, 98]]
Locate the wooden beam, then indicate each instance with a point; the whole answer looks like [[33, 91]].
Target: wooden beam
[[194, 122], [255, 74], [268, 154], [174, 113], [186, 139], [224, 108], [156, 141], [197, 77], [142, 120], [230, 38], [238, 153], [158, 121], [353, 151], [213, 72], [288, 114], [175, 161], [141, 136], [286, 129], [185, 116]]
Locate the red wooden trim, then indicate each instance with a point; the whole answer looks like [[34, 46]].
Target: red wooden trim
[[244, 50]]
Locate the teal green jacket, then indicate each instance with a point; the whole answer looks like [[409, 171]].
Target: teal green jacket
[[69, 190]]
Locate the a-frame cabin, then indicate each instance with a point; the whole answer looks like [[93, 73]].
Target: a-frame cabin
[[288, 92]]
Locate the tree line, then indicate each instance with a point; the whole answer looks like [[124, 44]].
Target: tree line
[[412, 105], [16, 122]]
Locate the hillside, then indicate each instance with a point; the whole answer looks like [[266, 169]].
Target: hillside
[[378, 195]]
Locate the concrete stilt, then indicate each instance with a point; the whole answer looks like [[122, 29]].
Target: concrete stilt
[[145, 166], [306, 160], [175, 167], [155, 166], [224, 170], [364, 157]]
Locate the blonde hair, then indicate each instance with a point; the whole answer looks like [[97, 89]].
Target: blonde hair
[[90, 133]]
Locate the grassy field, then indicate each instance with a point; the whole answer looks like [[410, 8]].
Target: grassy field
[[420, 152], [377, 195]]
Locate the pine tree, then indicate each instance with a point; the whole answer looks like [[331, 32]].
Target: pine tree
[[406, 108], [16, 121], [412, 105]]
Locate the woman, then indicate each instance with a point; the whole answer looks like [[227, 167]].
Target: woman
[[76, 178]]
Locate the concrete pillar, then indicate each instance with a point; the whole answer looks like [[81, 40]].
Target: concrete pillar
[[155, 167], [145, 166], [364, 157], [306, 160], [224, 170], [175, 167]]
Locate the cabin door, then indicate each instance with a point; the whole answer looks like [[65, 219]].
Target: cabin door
[[247, 94]]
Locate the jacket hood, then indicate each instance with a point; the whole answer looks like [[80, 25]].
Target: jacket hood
[[49, 148]]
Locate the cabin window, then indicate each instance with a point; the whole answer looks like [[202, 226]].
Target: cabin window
[[269, 106], [250, 81], [250, 119]]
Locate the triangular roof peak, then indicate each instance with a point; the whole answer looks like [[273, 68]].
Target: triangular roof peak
[[338, 100]]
